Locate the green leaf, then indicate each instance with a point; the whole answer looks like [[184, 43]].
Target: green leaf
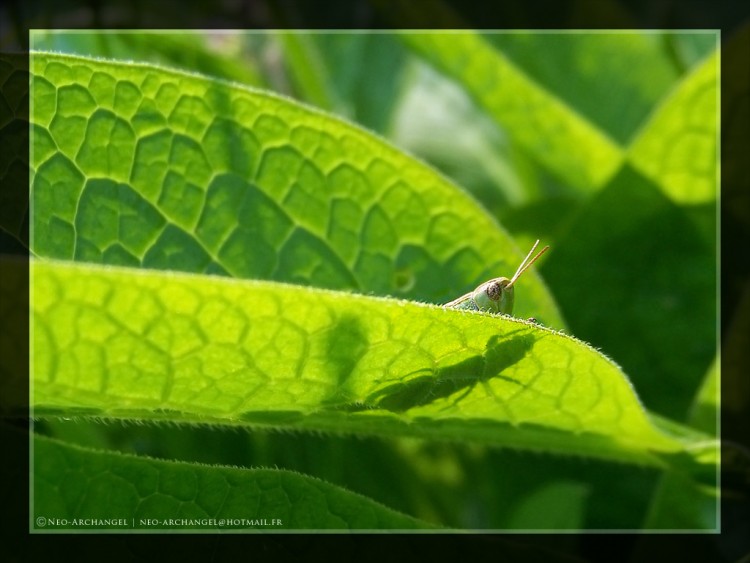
[[438, 121], [567, 144], [642, 292], [139, 166], [137, 344], [705, 410], [585, 70], [366, 93], [677, 148], [307, 69], [680, 502], [561, 120], [394, 472], [561, 496], [149, 494]]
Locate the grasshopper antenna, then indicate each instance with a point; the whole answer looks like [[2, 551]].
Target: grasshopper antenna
[[526, 264]]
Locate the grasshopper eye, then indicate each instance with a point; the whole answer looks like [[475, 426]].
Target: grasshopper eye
[[496, 287], [494, 290]]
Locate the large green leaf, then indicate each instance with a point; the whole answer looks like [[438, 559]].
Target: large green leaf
[[135, 165], [122, 343], [149, 494]]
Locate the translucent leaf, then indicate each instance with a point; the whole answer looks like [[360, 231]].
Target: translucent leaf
[[140, 166], [138, 344], [677, 148]]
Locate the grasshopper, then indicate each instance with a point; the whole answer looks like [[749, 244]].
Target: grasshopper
[[496, 295]]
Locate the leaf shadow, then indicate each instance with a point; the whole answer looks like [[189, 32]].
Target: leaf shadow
[[344, 343], [499, 354]]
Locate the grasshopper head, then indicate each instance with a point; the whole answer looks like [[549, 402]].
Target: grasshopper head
[[495, 296]]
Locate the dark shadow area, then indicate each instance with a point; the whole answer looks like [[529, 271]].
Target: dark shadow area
[[345, 344], [500, 353], [641, 285]]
